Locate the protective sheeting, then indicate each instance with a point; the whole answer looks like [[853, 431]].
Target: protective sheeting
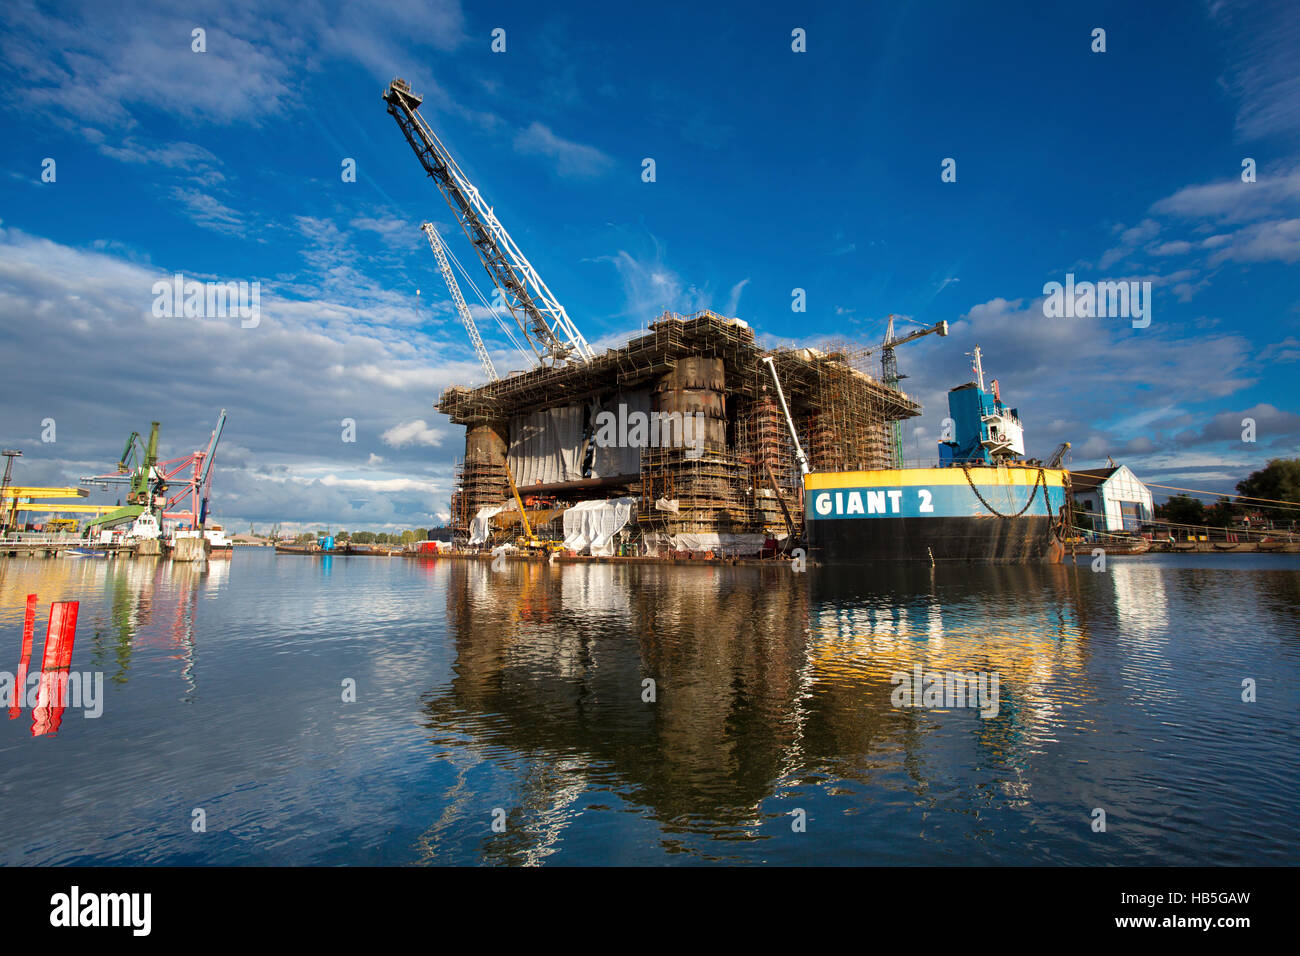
[[546, 446], [590, 526], [480, 525], [742, 545], [614, 460]]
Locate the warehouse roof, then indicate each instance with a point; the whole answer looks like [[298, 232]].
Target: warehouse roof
[[1089, 478]]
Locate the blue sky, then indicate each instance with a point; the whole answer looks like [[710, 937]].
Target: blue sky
[[775, 170]]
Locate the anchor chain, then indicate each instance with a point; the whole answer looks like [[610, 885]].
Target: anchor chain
[[1040, 480]]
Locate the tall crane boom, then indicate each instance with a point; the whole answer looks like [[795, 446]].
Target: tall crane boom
[[435, 243], [205, 476], [541, 318]]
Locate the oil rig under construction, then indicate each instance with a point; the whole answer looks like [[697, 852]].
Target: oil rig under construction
[[728, 476], [692, 438]]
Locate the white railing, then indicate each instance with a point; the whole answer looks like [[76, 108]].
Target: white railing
[[67, 540]]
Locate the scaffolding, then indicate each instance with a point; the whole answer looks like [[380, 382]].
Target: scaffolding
[[480, 483], [842, 413], [763, 443], [681, 494]]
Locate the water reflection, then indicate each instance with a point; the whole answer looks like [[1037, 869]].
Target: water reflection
[[524, 691], [763, 680], [151, 604]]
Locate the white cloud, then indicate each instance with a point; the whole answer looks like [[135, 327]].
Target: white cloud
[[1262, 39], [572, 160], [207, 212], [92, 65], [733, 300], [287, 386], [415, 432], [651, 288], [1231, 200], [1276, 240], [1129, 241]]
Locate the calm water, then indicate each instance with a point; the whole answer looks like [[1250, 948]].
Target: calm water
[[522, 690]]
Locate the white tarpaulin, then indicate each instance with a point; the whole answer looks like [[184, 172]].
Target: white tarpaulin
[[742, 545], [591, 525], [481, 524], [546, 446]]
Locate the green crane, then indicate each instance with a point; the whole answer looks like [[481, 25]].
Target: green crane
[[136, 467]]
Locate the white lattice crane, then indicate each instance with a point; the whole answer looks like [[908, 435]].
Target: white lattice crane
[[435, 243], [548, 328]]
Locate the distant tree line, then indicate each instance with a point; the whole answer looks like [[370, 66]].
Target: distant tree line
[[1278, 481], [407, 537]]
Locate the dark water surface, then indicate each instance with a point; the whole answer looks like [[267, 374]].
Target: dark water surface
[[522, 690]]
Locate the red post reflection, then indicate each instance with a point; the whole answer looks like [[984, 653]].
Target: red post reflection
[[24, 659], [57, 660]]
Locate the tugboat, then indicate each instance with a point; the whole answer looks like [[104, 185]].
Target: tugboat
[[219, 545], [984, 503]]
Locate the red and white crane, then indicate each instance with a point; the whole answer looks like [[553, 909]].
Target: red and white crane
[[198, 485]]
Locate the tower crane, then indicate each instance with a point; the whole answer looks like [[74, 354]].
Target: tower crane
[[435, 243], [548, 328], [889, 368]]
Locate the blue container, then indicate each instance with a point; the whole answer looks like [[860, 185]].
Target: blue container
[[327, 544]]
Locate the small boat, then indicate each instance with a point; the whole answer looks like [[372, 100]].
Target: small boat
[[218, 544]]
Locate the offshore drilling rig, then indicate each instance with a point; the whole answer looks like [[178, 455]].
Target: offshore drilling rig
[[752, 420]]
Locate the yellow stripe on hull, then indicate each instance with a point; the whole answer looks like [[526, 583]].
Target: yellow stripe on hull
[[817, 481]]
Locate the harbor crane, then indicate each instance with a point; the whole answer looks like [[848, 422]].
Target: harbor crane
[[435, 243], [138, 469], [546, 325], [151, 481], [1059, 455], [199, 484]]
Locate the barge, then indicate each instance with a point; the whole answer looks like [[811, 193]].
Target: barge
[[984, 503]]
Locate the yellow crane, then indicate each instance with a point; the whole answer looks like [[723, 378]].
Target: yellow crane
[[529, 539], [16, 498]]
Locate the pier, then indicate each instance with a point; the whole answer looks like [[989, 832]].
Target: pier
[[52, 545]]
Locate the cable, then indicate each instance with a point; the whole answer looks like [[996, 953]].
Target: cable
[[1212, 494], [501, 322], [1274, 501]]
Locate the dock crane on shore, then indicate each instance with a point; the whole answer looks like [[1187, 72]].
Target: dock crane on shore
[[540, 316], [150, 481], [198, 487], [138, 469], [435, 243]]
